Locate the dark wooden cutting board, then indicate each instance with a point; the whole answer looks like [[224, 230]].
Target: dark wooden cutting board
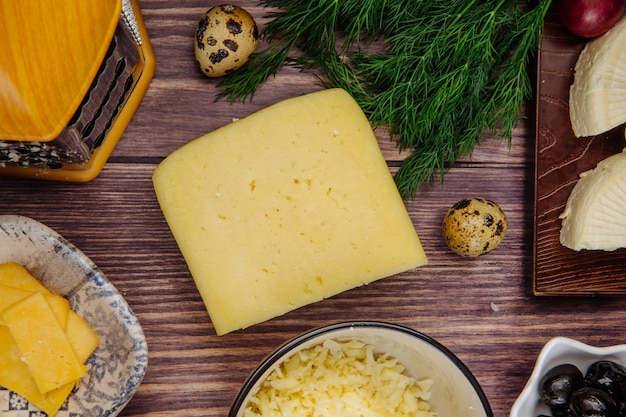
[[560, 157]]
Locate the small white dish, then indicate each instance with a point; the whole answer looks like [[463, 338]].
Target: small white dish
[[454, 392], [560, 350], [118, 365]]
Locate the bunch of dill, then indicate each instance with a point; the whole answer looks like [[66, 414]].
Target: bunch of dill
[[451, 71]]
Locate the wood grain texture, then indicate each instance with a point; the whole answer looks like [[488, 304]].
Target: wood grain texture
[[482, 309]]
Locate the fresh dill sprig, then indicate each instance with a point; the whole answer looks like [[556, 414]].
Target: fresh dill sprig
[[315, 21], [451, 71]]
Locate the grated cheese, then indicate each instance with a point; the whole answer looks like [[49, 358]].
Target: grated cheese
[[344, 379]]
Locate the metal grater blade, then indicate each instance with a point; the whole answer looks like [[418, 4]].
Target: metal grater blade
[[128, 14]]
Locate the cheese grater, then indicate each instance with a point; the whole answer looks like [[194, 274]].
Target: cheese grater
[[72, 75]]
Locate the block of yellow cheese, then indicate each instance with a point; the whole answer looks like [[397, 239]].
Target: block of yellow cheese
[[288, 206], [32, 324]]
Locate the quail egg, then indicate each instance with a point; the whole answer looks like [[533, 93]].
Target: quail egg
[[225, 38], [474, 226]]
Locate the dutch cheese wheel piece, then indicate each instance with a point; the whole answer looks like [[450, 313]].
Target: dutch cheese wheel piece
[[594, 215], [597, 101], [286, 207]]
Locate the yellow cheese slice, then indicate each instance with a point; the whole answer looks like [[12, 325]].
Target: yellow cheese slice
[[16, 376], [15, 275], [82, 336], [60, 306], [286, 207], [32, 324]]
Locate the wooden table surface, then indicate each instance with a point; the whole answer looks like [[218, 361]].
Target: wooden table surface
[[482, 309]]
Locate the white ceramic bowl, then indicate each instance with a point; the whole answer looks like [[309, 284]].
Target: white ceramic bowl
[[118, 365], [455, 391], [560, 350]]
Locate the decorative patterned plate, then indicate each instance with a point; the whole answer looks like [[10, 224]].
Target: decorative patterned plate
[[118, 365], [560, 158]]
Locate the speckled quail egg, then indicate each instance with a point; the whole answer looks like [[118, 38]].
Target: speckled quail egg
[[225, 38], [474, 226]]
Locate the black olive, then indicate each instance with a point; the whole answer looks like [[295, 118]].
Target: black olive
[[558, 384], [562, 412], [608, 376], [592, 402]]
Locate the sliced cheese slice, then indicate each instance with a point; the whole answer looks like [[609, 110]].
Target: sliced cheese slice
[[60, 306], [594, 215], [81, 336], [32, 324], [286, 207], [15, 275], [16, 376], [597, 101]]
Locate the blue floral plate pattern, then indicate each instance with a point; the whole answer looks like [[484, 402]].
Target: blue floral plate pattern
[[118, 365]]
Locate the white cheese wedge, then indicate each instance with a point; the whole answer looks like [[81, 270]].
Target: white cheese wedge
[[597, 101], [286, 207], [595, 212]]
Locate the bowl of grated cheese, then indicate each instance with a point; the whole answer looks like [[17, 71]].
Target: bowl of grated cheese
[[364, 368]]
